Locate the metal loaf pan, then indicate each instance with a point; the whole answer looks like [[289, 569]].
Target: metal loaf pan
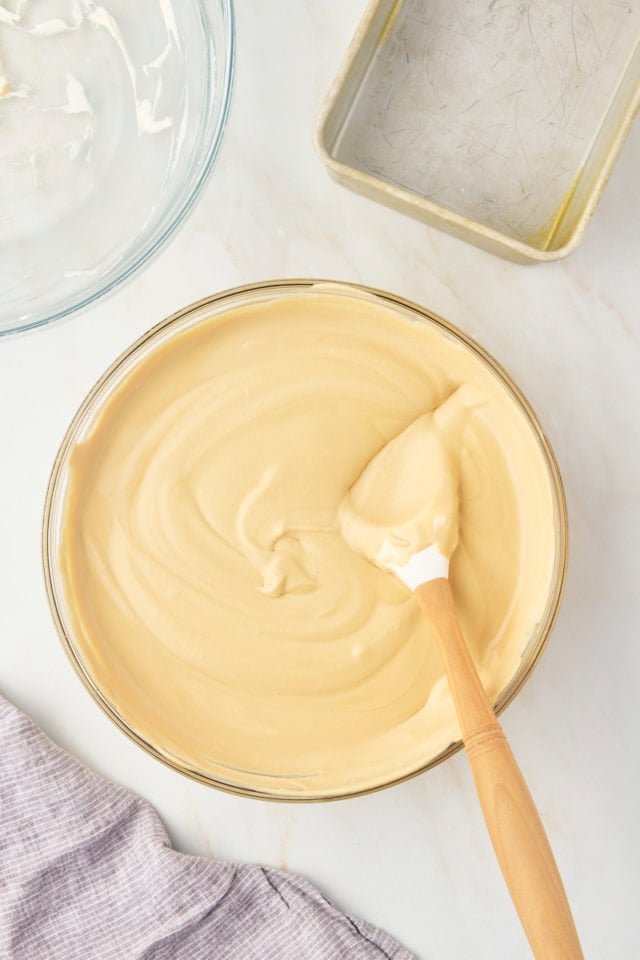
[[496, 121]]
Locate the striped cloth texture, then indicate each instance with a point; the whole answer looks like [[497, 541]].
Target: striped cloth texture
[[87, 872]]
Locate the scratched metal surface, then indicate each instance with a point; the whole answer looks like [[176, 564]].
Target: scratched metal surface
[[491, 108]]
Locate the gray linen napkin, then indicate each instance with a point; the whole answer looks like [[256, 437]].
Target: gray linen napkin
[[87, 873]]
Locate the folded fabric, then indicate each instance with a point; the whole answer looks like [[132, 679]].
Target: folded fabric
[[87, 873]]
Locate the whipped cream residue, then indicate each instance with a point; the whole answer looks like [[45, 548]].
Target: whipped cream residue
[[94, 105], [88, 12], [145, 109], [77, 101]]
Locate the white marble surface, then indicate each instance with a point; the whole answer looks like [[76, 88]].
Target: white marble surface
[[414, 859]]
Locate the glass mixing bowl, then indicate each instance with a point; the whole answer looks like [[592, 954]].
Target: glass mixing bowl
[[81, 427], [111, 115]]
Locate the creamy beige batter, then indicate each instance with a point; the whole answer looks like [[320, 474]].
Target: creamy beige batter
[[215, 602], [407, 498]]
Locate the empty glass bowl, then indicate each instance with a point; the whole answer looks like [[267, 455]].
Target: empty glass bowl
[[111, 115]]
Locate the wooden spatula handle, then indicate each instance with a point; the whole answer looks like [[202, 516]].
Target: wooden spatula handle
[[518, 837]]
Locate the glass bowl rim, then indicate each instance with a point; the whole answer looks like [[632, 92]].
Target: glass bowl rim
[[155, 243], [529, 659]]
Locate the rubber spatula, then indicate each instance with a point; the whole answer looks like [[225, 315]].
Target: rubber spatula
[[402, 514]]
